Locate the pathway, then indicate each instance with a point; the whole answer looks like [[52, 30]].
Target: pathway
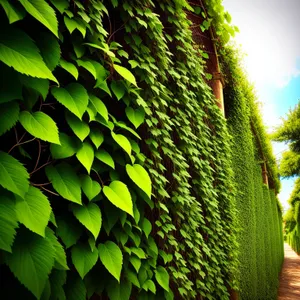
[[289, 288]]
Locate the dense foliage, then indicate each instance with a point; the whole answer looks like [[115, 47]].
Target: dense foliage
[[289, 132], [116, 168], [259, 214]]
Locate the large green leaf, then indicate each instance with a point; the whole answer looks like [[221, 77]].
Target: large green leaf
[[40, 125], [80, 128], [50, 49], [57, 280], [69, 230], [99, 106], [88, 66], [89, 216], [123, 142], [119, 291], [74, 97], [162, 277], [118, 194], [105, 157], [60, 255], [126, 74], [8, 221], [33, 210], [112, 258], [43, 12], [75, 288], [9, 115], [97, 137], [13, 12], [65, 181], [31, 261], [140, 177], [136, 117], [86, 155], [17, 50], [118, 89], [69, 67], [83, 258], [68, 147], [13, 175], [90, 187]]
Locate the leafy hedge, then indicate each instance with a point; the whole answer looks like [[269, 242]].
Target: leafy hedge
[[116, 169], [259, 212]]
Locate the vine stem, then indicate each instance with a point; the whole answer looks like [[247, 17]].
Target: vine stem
[[40, 167], [19, 144], [102, 184], [40, 184], [49, 191]]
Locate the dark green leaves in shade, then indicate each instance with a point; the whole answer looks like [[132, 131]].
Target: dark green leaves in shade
[[13, 175], [118, 194], [65, 181], [83, 258], [40, 125], [31, 261], [112, 258], [68, 147], [69, 67], [9, 115]]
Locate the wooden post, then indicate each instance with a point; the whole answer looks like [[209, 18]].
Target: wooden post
[[217, 85]]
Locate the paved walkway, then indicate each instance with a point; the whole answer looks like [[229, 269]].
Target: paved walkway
[[289, 288]]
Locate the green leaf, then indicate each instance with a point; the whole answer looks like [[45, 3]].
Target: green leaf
[[83, 259], [162, 277], [40, 126], [140, 177], [132, 277], [69, 67], [57, 280], [105, 157], [75, 23], [50, 49], [118, 89], [74, 97], [88, 66], [41, 86], [60, 255], [80, 128], [69, 230], [122, 141], [86, 156], [43, 12], [100, 107], [126, 74], [67, 148], [9, 115], [119, 291], [90, 187], [65, 181], [149, 285], [61, 5], [97, 137], [136, 117], [136, 262], [75, 288], [33, 210], [112, 258], [10, 86], [17, 50], [118, 194], [146, 227], [31, 261], [13, 175], [13, 13], [89, 216], [8, 221]]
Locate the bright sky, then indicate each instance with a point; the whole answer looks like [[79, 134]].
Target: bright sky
[[269, 35]]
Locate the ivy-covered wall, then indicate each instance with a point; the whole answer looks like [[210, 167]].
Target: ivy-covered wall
[[117, 175], [258, 210]]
